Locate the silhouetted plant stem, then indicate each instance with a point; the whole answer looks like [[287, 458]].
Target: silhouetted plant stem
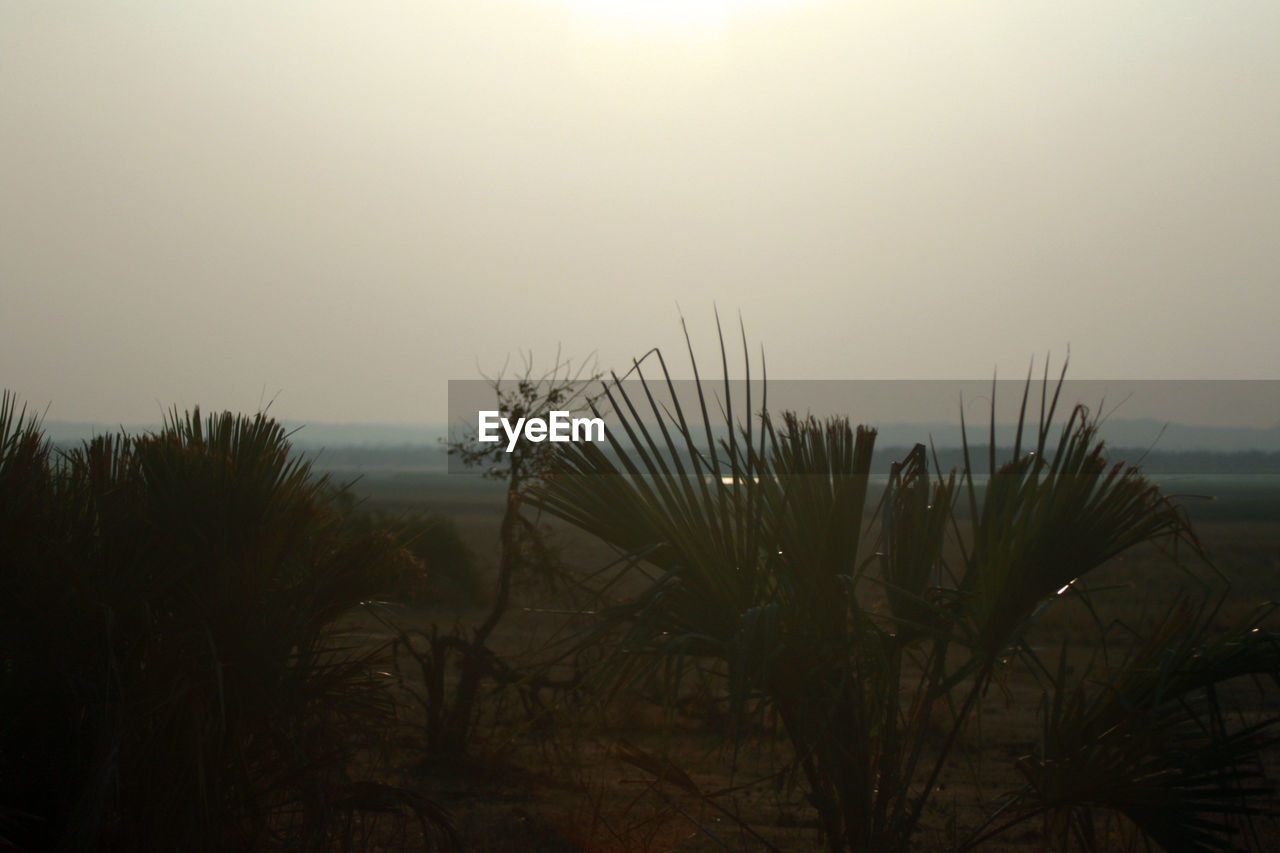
[[522, 547], [475, 653], [890, 752], [932, 674], [979, 682]]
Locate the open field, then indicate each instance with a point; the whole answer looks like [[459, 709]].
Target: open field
[[554, 776], [1221, 498]]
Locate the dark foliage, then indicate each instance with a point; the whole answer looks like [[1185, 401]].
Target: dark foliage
[[171, 672]]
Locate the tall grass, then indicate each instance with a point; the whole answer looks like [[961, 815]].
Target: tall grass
[[763, 562], [173, 677]]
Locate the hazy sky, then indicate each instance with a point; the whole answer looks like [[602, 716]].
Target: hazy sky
[[344, 204]]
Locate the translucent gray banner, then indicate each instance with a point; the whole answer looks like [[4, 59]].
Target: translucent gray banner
[[1165, 426]]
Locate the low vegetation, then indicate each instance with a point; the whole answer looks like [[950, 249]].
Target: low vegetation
[[877, 647], [191, 657], [454, 666], [172, 672]]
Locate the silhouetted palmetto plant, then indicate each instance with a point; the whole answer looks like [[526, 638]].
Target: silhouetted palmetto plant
[[172, 675], [756, 528], [1153, 738]]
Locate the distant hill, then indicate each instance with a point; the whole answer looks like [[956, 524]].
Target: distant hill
[[309, 435], [1139, 433], [1157, 447]]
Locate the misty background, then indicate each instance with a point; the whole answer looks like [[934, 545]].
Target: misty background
[[336, 207]]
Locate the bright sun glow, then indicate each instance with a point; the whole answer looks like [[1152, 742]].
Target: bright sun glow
[[689, 16]]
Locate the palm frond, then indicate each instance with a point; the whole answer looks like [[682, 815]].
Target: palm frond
[[1049, 517], [169, 652], [1150, 739]]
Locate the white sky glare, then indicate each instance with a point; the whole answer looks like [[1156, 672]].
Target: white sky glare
[[344, 204]]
